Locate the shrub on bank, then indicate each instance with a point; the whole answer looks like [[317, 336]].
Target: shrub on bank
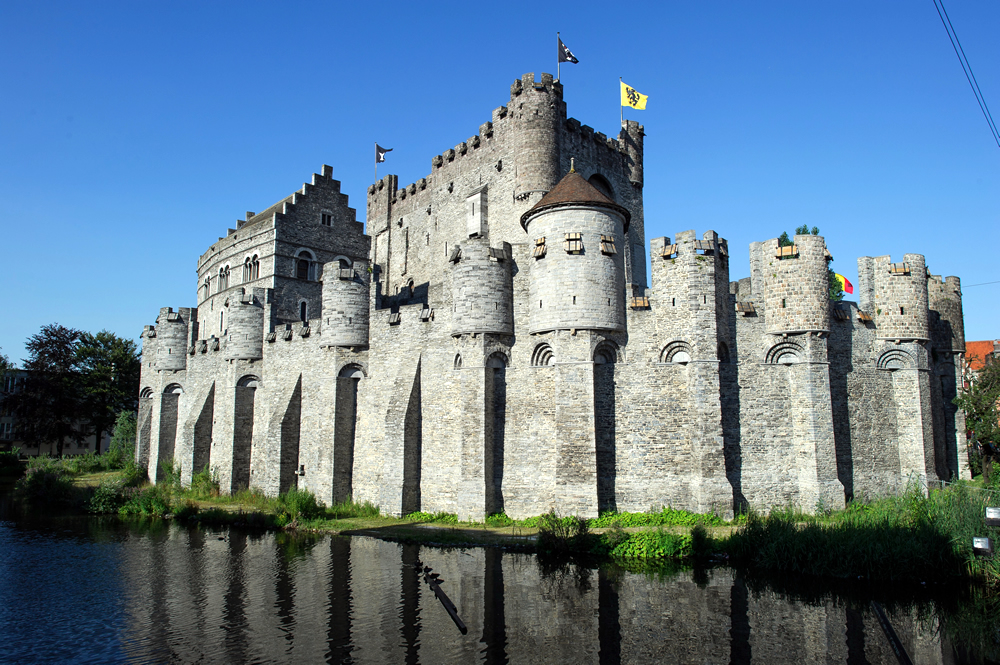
[[44, 485], [10, 461]]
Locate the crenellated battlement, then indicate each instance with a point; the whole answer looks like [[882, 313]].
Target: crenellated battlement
[[795, 284], [895, 294]]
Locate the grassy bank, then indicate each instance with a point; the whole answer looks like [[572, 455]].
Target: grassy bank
[[907, 538]]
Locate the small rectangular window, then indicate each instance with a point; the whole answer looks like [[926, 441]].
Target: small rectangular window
[[539, 248], [608, 245], [327, 219], [574, 243]]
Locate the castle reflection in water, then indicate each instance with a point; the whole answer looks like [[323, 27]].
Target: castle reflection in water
[[199, 596]]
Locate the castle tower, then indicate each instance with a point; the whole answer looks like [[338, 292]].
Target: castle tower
[[172, 338], [690, 300], [482, 289], [944, 296], [345, 304], [538, 109], [797, 288], [631, 137], [577, 277], [895, 294], [245, 330]]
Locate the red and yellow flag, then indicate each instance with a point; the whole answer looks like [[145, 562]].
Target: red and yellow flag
[[845, 284]]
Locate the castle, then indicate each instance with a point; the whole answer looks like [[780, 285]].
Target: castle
[[492, 344]]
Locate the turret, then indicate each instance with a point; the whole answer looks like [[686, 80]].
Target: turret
[[577, 274], [796, 285], [690, 286], [482, 288], [245, 330], [345, 304], [944, 296], [631, 137], [172, 338], [539, 111], [895, 294]]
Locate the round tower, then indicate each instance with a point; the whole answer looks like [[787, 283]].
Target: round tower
[[245, 338], [482, 289], [945, 297], [577, 275], [538, 110], [797, 285], [900, 298], [172, 338], [345, 304]]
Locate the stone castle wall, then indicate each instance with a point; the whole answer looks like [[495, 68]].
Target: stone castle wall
[[426, 376]]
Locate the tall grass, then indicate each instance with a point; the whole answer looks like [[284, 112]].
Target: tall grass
[[910, 537]]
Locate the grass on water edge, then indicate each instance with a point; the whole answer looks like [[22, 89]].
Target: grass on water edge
[[910, 537]]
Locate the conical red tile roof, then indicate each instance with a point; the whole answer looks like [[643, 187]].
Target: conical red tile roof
[[574, 189]]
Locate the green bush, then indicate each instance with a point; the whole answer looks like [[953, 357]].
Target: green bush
[[152, 500], [559, 536], [44, 486], [665, 517], [186, 510], [499, 519], [204, 485], [10, 461], [109, 497], [296, 504], [658, 544], [350, 509], [446, 518], [121, 450]]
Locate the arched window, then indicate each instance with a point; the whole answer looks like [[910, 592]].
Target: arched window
[[206, 288], [223, 278], [254, 267], [304, 265], [606, 353], [303, 311], [247, 270]]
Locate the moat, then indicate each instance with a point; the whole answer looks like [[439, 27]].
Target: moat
[[106, 590]]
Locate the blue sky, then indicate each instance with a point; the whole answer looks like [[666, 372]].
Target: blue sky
[[133, 135]]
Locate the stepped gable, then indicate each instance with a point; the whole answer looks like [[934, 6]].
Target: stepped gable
[[574, 189]]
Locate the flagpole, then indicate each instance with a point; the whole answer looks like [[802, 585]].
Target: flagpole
[[621, 107], [558, 59], [376, 161]]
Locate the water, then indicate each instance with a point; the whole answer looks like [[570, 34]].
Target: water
[[98, 590]]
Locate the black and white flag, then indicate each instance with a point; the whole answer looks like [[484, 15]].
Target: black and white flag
[[565, 55], [380, 153]]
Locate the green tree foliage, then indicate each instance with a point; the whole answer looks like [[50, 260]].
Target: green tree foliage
[[980, 400], [836, 292], [77, 385], [49, 408], [109, 379], [121, 451]]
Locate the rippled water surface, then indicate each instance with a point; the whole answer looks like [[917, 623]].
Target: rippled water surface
[[99, 590]]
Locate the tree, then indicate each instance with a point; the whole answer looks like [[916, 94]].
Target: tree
[[48, 408], [836, 292], [109, 370], [980, 400]]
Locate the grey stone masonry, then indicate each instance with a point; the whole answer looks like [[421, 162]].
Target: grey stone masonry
[[489, 343]]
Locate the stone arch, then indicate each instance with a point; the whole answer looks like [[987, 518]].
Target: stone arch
[[458, 361], [144, 427], [606, 353], [602, 185], [248, 381], [243, 417], [305, 264], [497, 360], [173, 389], [543, 356], [352, 371], [145, 393], [349, 379], [784, 353], [895, 359], [677, 351], [344, 261], [169, 410]]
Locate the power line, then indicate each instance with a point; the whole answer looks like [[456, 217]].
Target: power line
[[980, 284], [966, 67]]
